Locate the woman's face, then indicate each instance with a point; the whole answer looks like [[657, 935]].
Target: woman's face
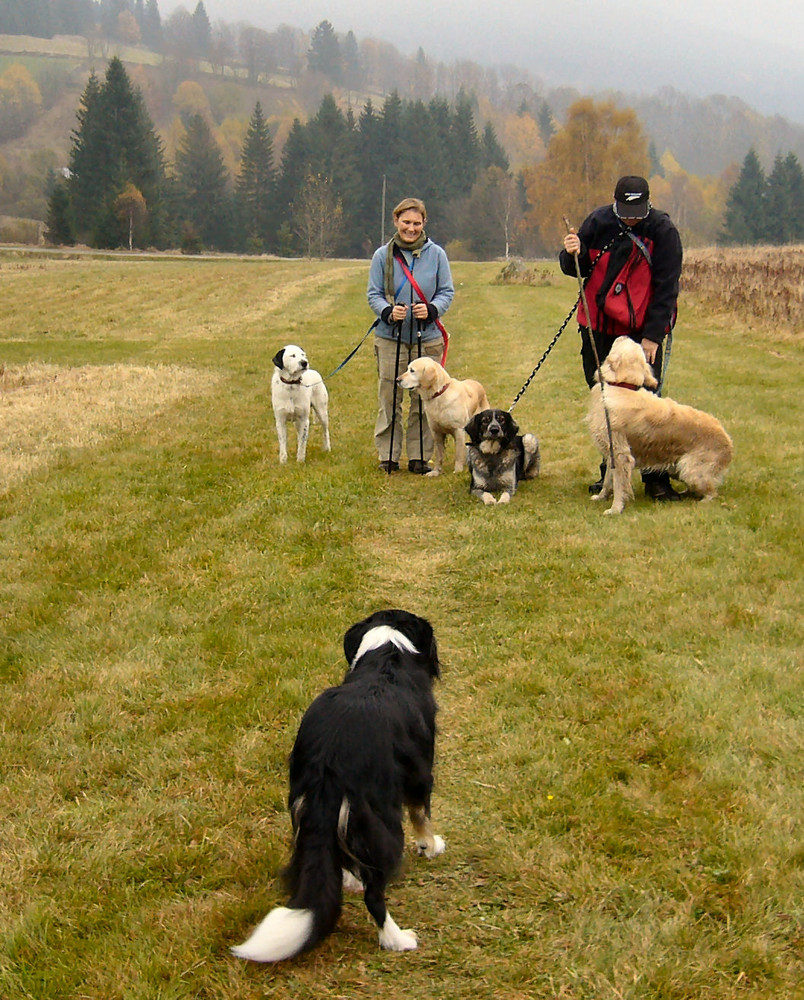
[[409, 225]]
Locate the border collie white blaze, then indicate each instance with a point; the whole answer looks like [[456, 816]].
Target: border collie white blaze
[[380, 636]]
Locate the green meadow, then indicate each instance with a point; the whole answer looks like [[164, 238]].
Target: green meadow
[[620, 760]]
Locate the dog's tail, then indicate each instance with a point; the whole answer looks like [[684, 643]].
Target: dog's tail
[[315, 878]]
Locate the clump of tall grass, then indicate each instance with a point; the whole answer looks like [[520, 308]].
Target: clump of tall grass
[[760, 283]]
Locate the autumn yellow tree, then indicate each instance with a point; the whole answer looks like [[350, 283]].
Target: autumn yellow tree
[[190, 99], [598, 143], [20, 101], [131, 209], [521, 139], [696, 204]]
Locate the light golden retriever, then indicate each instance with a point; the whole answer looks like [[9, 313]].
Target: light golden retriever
[[649, 432], [449, 404]]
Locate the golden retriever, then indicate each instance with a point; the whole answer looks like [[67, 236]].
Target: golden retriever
[[449, 404], [649, 432]]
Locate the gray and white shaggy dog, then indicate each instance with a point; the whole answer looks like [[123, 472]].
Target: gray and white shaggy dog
[[498, 456]]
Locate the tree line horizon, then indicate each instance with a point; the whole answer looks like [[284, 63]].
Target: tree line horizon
[[335, 179]]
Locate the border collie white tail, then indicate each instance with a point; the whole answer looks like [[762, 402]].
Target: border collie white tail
[[363, 753]]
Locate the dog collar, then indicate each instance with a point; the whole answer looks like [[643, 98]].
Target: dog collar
[[625, 385], [290, 381], [443, 389]]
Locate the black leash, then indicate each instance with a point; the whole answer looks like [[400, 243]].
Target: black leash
[[543, 358], [352, 353], [561, 329]]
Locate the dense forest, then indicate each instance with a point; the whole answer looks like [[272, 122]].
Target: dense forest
[[229, 137]]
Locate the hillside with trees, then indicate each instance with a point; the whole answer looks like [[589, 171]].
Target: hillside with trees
[[234, 138]]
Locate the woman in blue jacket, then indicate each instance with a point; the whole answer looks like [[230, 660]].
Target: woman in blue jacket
[[406, 330]]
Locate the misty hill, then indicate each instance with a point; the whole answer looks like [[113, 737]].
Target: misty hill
[[706, 136]]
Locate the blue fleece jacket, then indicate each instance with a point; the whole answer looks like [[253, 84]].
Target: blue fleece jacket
[[432, 273]]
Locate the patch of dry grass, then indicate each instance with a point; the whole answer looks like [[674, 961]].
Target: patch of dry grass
[[764, 284], [45, 409]]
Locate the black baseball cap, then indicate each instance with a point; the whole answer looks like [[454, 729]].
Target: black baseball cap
[[632, 198]]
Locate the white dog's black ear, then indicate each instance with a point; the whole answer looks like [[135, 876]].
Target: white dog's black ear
[[279, 358]]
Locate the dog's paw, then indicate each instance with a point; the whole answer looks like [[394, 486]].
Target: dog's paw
[[504, 498], [432, 473], [613, 510], [488, 499], [393, 938], [428, 850], [597, 497]]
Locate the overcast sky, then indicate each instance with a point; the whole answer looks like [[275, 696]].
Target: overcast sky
[[752, 49]]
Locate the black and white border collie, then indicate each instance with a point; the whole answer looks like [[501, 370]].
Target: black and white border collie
[[364, 750]]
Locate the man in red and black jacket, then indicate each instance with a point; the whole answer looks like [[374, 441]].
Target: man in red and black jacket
[[630, 258]]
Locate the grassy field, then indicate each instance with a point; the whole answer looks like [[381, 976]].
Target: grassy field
[[620, 775]]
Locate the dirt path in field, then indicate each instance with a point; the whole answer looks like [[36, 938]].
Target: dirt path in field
[[44, 408]]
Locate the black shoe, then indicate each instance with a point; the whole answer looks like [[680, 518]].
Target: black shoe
[[598, 486], [658, 489], [389, 466], [418, 467]]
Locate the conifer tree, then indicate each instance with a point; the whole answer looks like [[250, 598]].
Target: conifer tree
[[201, 30], [115, 143], [796, 187], [390, 137], [744, 220], [201, 185], [493, 155], [352, 68], [294, 167], [371, 162], [464, 146], [440, 156], [151, 24], [782, 219], [59, 223], [324, 55], [73, 17], [256, 184], [86, 167]]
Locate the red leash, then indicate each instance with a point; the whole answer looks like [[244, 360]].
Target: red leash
[[414, 285]]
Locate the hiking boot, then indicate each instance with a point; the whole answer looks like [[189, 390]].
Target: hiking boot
[[389, 466], [418, 467], [595, 488], [658, 487]]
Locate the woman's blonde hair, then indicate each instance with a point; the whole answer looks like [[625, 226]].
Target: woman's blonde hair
[[408, 204]]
